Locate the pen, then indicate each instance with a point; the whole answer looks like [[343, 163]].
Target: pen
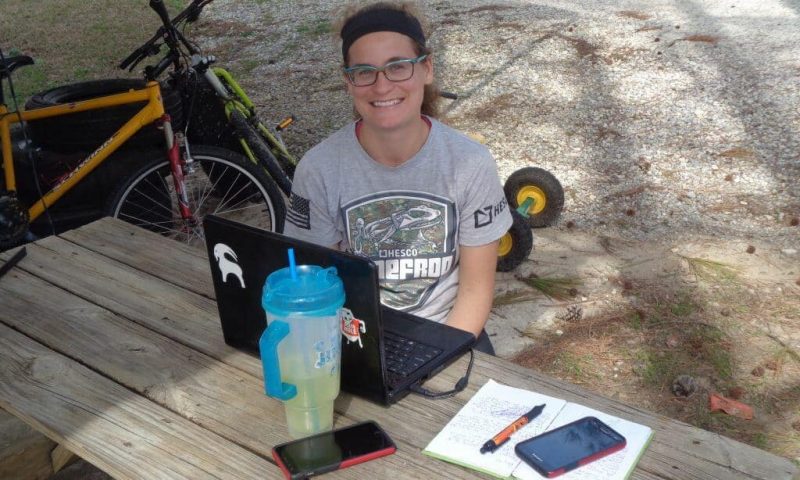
[[505, 434]]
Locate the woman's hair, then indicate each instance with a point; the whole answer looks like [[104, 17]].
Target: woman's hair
[[430, 98]]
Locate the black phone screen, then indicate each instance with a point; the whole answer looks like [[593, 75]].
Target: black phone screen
[[570, 445], [329, 451]]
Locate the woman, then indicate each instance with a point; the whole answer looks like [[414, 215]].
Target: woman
[[420, 199]]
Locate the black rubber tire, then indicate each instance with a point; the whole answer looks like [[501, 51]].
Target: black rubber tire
[[546, 186], [516, 244], [147, 197], [261, 151], [87, 130]]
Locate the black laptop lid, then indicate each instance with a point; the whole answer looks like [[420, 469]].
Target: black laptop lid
[[247, 255]]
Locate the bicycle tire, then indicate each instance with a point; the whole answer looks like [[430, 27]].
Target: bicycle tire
[[147, 198], [261, 151], [86, 130]]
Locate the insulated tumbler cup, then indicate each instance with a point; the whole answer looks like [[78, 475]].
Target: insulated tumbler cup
[[301, 347]]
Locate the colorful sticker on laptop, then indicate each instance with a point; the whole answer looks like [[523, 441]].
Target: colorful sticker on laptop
[[352, 328]]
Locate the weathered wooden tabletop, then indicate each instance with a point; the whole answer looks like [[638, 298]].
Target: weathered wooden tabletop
[[110, 345]]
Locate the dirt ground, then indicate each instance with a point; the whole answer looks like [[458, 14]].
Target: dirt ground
[[626, 319]]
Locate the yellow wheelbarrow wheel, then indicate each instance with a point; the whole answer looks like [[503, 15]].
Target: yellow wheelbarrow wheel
[[515, 245], [539, 192]]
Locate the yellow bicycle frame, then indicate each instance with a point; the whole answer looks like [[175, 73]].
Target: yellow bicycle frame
[[152, 111]]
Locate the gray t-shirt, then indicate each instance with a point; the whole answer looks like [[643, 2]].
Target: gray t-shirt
[[410, 220]]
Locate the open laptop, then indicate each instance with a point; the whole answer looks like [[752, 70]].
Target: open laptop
[[242, 257]]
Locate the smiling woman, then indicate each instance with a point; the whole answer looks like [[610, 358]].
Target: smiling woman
[[419, 198]]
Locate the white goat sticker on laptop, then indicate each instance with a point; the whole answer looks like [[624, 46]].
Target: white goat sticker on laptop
[[226, 260], [352, 328]]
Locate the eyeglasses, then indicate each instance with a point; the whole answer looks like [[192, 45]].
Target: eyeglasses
[[396, 71]]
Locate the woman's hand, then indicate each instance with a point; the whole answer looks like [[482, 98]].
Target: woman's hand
[[475, 288]]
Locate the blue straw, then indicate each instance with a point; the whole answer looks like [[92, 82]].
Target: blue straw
[[292, 265]]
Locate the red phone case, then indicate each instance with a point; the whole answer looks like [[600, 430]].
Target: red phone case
[[589, 459], [330, 468], [555, 473], [359, 431]]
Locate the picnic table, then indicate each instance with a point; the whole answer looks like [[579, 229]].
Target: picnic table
[[110, 344]]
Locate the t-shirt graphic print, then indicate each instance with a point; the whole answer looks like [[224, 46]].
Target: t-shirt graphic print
[[411, 237]]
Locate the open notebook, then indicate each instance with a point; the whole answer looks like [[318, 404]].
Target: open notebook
[[495, 406]]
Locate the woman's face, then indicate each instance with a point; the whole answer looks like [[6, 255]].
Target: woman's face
[[386, 104]]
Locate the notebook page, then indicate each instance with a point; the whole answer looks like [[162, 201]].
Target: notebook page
[[488, 412]]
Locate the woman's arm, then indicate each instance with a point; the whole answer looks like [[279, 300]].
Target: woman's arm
[[475, 288]]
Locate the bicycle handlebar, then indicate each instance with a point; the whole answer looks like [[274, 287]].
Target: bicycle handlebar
[[169, 29], [161, 10]]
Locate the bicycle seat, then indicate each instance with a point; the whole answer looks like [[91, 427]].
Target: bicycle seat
[[8, 65]]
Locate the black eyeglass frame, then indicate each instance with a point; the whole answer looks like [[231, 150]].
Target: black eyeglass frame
[[349, 71]]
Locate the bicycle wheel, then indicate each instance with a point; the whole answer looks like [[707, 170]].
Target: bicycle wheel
[[148, 199]]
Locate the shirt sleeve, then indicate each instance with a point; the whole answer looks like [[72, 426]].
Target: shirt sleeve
[[484, 215], [308, 216]]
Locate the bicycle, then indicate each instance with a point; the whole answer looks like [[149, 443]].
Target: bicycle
[[226, 184], [218, 112]]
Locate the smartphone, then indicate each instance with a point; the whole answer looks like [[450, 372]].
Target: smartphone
[[334, 450], [570, 446]]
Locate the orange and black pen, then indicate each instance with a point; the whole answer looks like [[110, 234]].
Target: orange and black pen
[[503, 436]]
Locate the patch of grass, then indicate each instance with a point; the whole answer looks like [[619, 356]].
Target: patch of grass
[[320, 26], [659, 369], [711, 344], [80, 73], [248, 65], [759, 440], [73, 40], [27, 81], [512, 297], [554, 287], [710, 269], [683, 306], [578, 367]]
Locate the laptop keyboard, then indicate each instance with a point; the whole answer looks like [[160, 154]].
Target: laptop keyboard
[[404, 356]]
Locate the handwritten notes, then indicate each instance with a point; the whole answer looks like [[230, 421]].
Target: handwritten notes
[[489, 411], [495, 406]]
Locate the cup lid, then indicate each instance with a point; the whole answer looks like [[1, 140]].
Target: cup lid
[[314, 288]]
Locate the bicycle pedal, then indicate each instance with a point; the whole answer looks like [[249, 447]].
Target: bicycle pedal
[[284, 123]]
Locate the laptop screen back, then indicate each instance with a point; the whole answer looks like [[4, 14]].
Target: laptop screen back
[[255, 254]]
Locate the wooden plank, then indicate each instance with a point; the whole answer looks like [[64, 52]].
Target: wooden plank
[[135, 294], [211, 393], [704, 451], [167, 259], [173, 375], [120, 432], [24, 452], [61, 457]]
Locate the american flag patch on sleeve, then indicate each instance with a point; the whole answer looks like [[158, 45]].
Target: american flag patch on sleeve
[[299, 213]]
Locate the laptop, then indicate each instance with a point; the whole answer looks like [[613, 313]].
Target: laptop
[[385, 352]]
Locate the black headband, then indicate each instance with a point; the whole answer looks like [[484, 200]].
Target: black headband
[[380, 20]]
